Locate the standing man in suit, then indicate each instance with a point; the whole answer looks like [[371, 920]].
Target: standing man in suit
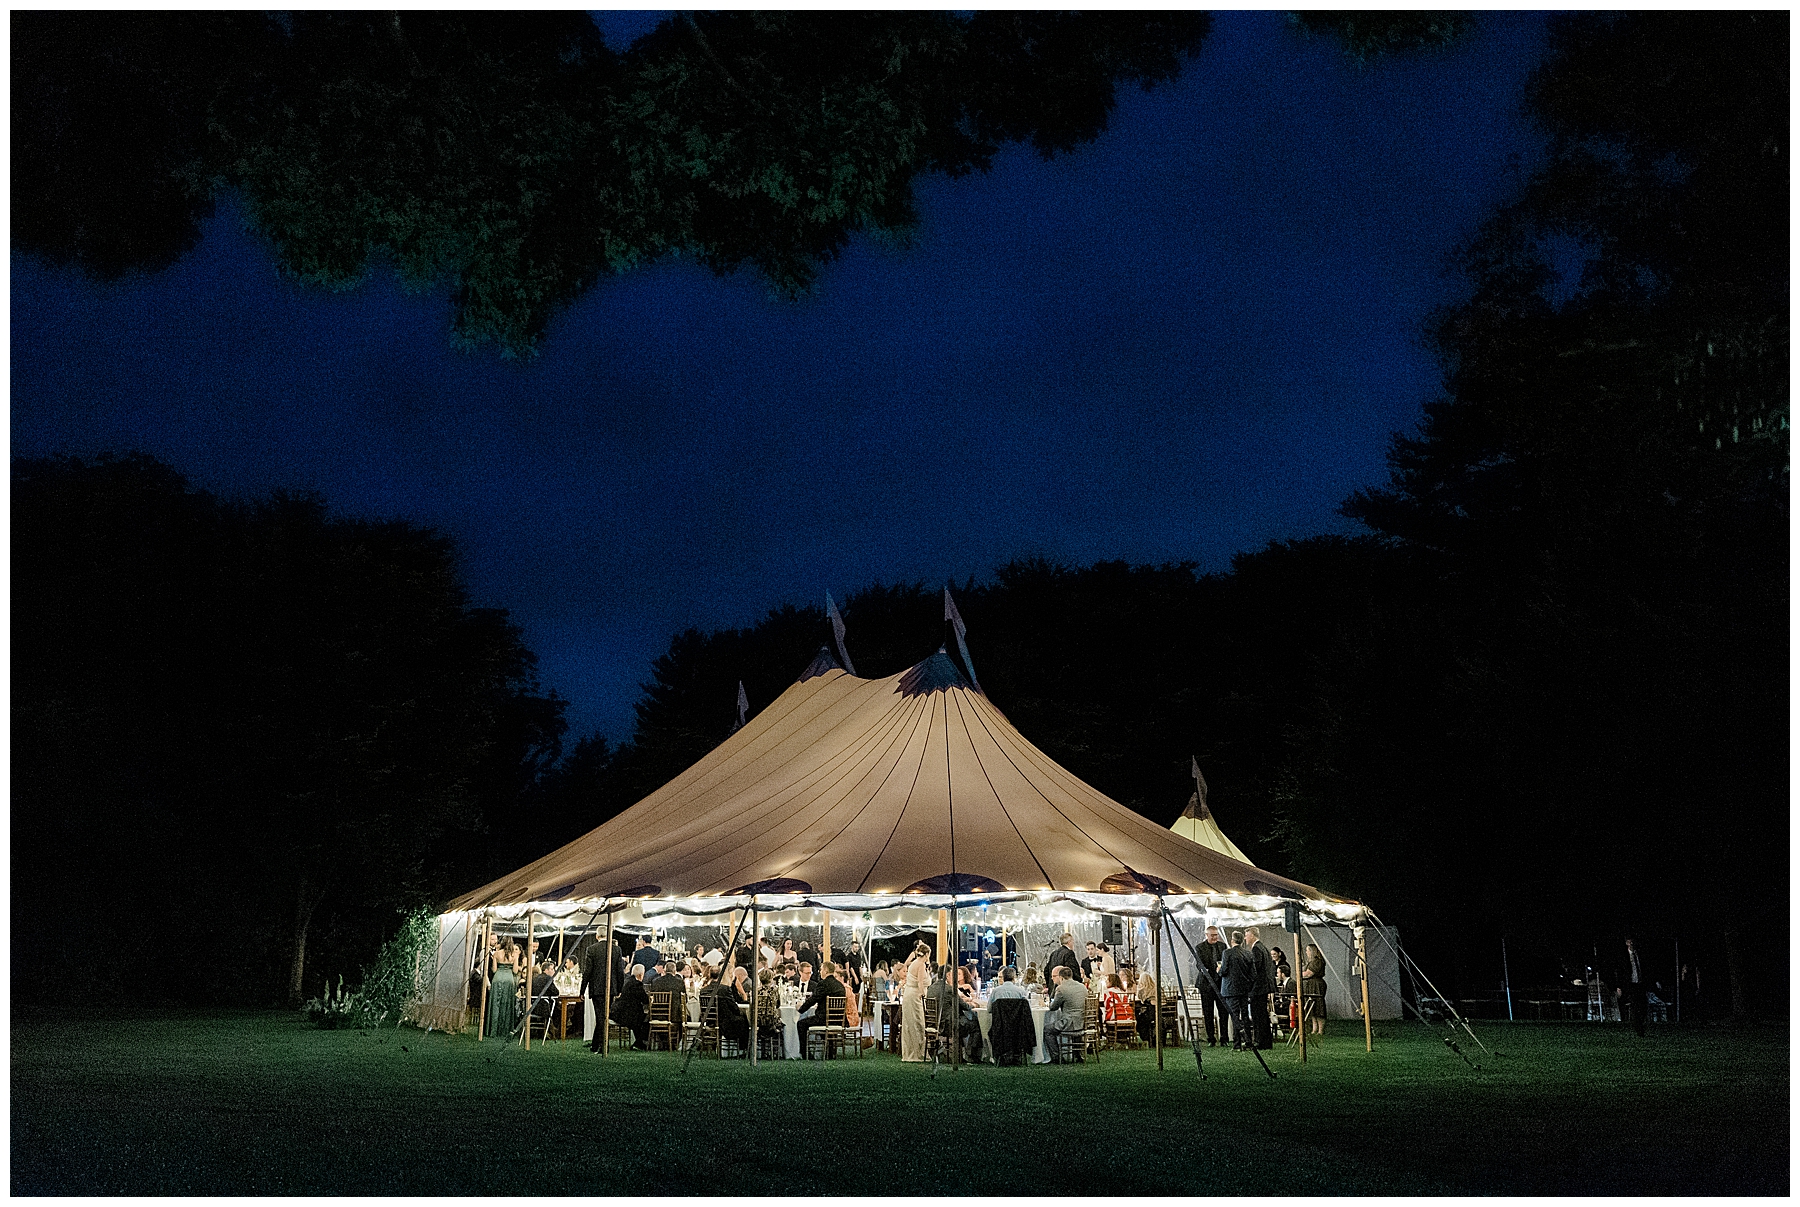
[[1237, 976], [1212, 1003], [1063, 956], [812, 1007], [591, 960], [646, 956], [1634, 988], [1262, 985]]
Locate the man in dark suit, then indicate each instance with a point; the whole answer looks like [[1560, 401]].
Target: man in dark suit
[[1212, 1004], [734, 1025], [1063, 956], [1263, 983], [1634, 988], [646, 956], [631, 1010], [1237, 976], [812, 1007]]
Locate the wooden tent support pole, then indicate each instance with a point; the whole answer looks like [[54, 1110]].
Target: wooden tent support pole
[[530, 967], [943, 921], [953, 1025], [468, 935], [561, 929], [1362, 963], [825, 943], [487, 945], [1156, 1006], [1299, 1002], [606, 987], [755, 980]]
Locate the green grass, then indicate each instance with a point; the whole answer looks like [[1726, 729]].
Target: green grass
[[252, 1103]]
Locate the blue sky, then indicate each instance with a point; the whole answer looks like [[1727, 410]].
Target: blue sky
[[1182, 341]]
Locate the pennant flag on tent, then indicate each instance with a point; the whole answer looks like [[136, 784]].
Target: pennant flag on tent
[[956, 623], [837, 630], [743, 707]]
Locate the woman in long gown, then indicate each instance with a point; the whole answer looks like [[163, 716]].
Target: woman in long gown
[[503, 999], [912, 1004]]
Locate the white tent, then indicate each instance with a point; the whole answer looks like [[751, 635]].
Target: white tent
[[899, 799]]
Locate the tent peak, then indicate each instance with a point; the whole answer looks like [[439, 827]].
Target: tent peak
[[937, 673], [822, 662], [1196, 809]]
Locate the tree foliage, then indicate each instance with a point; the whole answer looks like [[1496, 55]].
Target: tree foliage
[[517, 157], [246, 728]]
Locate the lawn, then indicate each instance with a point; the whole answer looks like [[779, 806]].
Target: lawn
[[258, 1103]]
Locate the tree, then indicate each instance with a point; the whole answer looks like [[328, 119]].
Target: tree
[[236, 716], [517, 157]]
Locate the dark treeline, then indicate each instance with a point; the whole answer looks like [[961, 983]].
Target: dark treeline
[[244, 735], [1544, 695]]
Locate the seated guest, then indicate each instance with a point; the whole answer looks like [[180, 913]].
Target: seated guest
[[1115, 1003], [740, 983], [812, 1009], [568, 981], [768, 1004], [967, 985], [1011, 1036], [666, 982], [1144, 1008], [1031, 973], [804, 981], [733, 1025], [1068, 1005], [950, 1005], [630, 1010]]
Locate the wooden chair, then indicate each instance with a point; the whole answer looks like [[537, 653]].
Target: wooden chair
[[665, 1019], [1121, 1029], [706, 1037], [1092, 1039], [838, 1033], [933, 1036]]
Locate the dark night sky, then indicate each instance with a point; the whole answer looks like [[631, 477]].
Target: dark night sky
[[1182, 341]]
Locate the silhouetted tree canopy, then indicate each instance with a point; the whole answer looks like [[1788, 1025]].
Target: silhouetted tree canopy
[[244, 730], [517, 156]]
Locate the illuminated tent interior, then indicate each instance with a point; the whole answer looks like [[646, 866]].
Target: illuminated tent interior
[[885, 801]]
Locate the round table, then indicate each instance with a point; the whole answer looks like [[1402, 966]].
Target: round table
[[1039, 1055], [790, 1028]]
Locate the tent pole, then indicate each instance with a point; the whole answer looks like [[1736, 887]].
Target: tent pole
[[606, 988], [468, 934], [530, 967], [1299, 1002], [825, 943], [943, 921], [487, 944], [1362, 964], [755, 980], [561, 928], [1156, 1002], [953, 1026]]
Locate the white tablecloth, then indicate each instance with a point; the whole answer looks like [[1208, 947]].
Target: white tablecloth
[[790, 1028], [1038, 1013]]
